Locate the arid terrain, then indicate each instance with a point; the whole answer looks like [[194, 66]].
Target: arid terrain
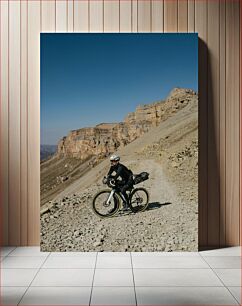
[[160, 138]]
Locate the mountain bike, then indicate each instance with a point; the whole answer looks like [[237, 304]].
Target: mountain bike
[[108, 202]]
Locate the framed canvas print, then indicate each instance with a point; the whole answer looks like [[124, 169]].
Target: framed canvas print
[[119, 142]]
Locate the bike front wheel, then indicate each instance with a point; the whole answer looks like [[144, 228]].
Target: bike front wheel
[[100, 204], [139, 199]]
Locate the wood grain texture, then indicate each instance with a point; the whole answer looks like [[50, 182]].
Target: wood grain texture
[[81, 16], [14, 121], [191, 16], [182, 16], [111, 16], [33, 122], [4, 123], [134, 16], [232, 122], [125, 16], [171, 15], [222, 122], [219, 106], [96, 16], [144, 16], [70, 16], [61, 16], [201, 28], [24, 124], [213, 123], [48, 16], [157, 15]]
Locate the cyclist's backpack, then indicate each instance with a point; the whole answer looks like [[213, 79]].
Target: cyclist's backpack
[[138, 178]]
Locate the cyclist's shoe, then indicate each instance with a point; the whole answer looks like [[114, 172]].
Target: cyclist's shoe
[[125, 206]]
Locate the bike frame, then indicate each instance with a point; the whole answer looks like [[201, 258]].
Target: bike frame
[[113, 191]]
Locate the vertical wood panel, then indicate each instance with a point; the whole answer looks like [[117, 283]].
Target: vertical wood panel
[[111, 16], [125, 16], [61, 16], [219, 107], [81, 16], [96, 16], [4, 122], [144, 16], [70, 16], [213, 123], [48, 16], [24, 125], [14, 122], [33, 122], [201, 28], [191, 15], [134, 19], [183, 15], [232, 122], [222, 120], [171, 15], [157, 16]]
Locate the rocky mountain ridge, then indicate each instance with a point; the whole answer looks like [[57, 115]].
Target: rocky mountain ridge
[[106, 138]]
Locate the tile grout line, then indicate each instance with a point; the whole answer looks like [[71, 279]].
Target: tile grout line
[[135, 296], [34, 278], [14, 248], [90, 299], [221, 281]]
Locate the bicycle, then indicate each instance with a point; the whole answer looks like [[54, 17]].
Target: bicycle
[[107, 203]]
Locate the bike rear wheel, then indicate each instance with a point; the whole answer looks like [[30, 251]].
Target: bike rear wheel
[[101, 207], [139, 199]]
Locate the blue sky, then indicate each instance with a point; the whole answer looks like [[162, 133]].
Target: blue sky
[[91, 78]]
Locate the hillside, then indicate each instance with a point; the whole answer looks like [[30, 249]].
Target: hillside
[[169, 152], [83, 149]]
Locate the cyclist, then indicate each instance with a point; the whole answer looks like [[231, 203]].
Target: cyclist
[[126, 175]]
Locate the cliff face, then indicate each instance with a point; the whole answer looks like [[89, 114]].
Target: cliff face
[[106, 138]]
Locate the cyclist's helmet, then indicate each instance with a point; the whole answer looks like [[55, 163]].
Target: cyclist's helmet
[[114, 158]]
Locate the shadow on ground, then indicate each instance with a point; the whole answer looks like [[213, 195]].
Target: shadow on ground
[[156, 205]]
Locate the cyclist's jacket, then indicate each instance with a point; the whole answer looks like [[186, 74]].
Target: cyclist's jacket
[[121, 171]]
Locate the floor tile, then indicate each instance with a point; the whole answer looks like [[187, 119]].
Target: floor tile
[[230, 251], [17, 277], [169, 254], [231, 262], [23, 262], [64, 277], [184, 296], [113, 296], [113, 277], [114, 254], [230, 277], [236, 292], [176, 277], [28, 251], [70, 262], [12, 295], [113, 262], [73, 254], [4, 251], [169, 262], [57, 296]]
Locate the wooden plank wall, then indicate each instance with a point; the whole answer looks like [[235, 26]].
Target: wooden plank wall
[[217, 23]]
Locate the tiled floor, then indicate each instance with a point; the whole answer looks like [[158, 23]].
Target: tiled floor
[[29, 277]]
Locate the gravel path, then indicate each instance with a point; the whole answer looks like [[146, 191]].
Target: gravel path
[[169, 223]]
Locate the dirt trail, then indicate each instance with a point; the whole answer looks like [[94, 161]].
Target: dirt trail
[[169, 223], [166, 225], [130, 152]]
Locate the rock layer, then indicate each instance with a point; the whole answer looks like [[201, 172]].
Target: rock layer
[[106, 138]]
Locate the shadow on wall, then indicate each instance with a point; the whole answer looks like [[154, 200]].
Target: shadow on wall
[[209, 226]]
